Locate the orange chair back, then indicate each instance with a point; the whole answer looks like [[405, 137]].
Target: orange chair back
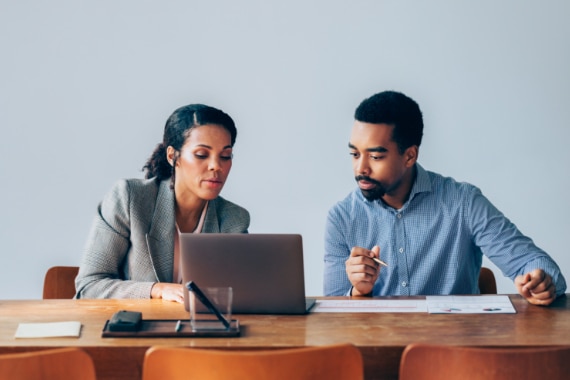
[[431, 362], [334, 362], [54, 364], [487, 283], [59, 282]]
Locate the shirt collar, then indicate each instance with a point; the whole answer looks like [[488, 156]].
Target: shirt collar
[[422, 182]]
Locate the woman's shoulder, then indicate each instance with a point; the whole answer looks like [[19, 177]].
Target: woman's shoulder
[[135, 188], [223, 205], [230, 217], [137, 184]]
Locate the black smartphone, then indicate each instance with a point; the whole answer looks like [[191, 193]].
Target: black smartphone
[[124, 320], [206, 301]]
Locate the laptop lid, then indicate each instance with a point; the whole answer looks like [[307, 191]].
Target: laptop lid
[[265, 270]]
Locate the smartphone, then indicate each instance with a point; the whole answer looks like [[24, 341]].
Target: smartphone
[[124, 320]]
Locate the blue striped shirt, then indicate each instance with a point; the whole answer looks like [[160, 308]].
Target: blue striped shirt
[[433, 244]]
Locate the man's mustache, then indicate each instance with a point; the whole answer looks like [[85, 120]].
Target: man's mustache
[[367, 179]]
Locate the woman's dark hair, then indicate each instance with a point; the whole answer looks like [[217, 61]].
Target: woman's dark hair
[[176, 131], [394, 108]]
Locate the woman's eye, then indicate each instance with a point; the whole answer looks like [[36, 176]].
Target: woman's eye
[[200, 156], [226, 158]]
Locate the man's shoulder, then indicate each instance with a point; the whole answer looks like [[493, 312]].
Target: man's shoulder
[[447, 184], [348, 204]]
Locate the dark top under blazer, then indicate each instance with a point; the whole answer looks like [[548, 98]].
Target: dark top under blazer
[[131, 242]]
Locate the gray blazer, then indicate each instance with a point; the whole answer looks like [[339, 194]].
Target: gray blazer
[[131, 242]]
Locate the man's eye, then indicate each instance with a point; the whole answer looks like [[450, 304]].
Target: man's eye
[[353, 154], [376, 158]]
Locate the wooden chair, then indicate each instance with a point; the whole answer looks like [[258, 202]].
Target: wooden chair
[[430, 362], [52, 364], [59, 282], [333, 362], [487, 283]]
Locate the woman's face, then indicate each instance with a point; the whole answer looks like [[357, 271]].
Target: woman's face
[[204, 163]]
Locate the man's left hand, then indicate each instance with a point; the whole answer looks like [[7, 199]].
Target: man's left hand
[[537, 287]]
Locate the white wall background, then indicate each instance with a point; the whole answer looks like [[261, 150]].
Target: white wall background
[[86, 86]]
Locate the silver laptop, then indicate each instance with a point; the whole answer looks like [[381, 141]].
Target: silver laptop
[[265, 270]]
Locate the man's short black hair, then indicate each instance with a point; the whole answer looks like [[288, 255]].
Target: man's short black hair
[[394, 108]]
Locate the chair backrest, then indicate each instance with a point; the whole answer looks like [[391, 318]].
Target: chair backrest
[[332, 362], [487, 283], [53, 364], [59, 282], [430, 362]]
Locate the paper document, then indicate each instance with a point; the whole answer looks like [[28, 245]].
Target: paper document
[[370, 306], [48, 330], [470, 304]]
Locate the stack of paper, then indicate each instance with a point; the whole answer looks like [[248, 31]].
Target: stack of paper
[[480, 304], [470, 304], [49, 330]]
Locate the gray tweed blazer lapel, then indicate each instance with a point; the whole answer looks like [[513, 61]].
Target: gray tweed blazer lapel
[[160, 237], [211, 223]]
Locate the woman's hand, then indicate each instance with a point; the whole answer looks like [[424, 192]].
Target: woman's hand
[[168, 291]]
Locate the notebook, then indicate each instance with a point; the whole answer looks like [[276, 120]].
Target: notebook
[[265, 271]]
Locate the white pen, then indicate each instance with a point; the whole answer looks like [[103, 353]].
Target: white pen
[[380, 261]]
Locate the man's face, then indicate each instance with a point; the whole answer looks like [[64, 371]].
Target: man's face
[[378, 165]]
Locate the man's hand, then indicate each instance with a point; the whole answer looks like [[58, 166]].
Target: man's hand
[[362, 271], [537, 287]]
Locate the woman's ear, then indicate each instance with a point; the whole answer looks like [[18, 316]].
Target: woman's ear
[[170, 155]]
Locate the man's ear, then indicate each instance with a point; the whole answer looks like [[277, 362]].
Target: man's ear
[[170, 155], [411, 155]]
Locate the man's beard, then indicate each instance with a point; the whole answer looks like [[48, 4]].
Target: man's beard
[[373, 194]]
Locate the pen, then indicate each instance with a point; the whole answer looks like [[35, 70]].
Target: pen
[[178, 326], [380, 261]]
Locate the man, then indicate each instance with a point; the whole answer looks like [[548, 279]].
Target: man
[[430, 230]]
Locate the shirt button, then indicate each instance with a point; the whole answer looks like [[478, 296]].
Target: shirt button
[[399, 215], [401, 250], [404, 284]]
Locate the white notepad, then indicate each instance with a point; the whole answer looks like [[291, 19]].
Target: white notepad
[[49, 330], [479, 304], [370, 306]]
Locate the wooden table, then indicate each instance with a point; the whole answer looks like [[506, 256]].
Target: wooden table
[[381, 337]]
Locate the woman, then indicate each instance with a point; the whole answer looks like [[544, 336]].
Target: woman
[[132, 249]]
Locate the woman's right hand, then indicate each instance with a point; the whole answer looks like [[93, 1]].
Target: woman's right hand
[[168, 291]]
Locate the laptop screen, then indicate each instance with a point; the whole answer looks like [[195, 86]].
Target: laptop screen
[[265, 270]]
